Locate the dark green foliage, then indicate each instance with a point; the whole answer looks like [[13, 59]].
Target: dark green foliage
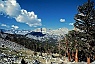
[[83, 39], [85, 18], [85, 22]]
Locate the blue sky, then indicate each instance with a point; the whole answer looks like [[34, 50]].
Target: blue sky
[[51, 14]]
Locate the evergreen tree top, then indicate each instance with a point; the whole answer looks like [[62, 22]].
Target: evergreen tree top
[[85, 18]]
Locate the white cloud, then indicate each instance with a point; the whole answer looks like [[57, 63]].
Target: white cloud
[[4, 25], [14, 27], [29, 18], [12, 9], [71, 23], [62, 20]]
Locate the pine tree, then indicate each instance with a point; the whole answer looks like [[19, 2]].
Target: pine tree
[[85, 22]]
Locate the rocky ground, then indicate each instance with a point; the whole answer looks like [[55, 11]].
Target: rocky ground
[[13, 53]]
